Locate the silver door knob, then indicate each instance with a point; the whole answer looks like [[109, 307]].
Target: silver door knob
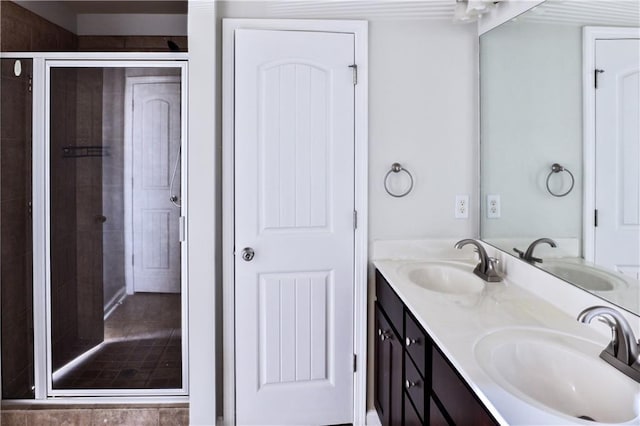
[[409, 341], [384, 335], [408, 384], [248, 254]]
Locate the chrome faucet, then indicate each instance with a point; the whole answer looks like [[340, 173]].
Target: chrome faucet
[[528, 255], [623, 352], [486, 269]]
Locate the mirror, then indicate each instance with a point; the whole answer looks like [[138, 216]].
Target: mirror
[[560, 158]]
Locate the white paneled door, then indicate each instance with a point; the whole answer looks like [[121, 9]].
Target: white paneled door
[[294, 204], [156, 148], [617, 236]]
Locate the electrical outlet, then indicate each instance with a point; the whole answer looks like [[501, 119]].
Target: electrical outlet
[[462, 207], [493, 206]]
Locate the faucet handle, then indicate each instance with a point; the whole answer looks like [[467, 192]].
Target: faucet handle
[[520, 253]]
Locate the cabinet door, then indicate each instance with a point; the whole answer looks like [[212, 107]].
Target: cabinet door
[[388, 372]]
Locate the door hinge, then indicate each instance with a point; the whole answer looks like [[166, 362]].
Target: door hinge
[[595, 218], [355, 219], [354, 67], [595, 77], [132, 260], [30, 87], [355, 363]]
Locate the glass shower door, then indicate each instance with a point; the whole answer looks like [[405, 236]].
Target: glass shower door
[[116, 293], [16, 244]]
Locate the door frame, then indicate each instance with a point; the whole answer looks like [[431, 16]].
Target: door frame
[[360, 31], [589, 37], [130, 82]]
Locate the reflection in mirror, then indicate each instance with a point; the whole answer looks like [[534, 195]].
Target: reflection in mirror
[[560, 142]]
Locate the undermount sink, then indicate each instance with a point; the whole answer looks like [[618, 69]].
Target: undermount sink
[[559, 372], [443, 277], [585, 276]]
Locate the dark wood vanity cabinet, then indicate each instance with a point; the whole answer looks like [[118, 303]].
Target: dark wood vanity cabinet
[[415, 384], [388, 357]]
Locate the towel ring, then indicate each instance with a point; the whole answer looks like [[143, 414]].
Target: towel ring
[[557, 168], [397, 168]]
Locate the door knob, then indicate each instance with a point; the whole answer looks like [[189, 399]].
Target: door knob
[[384, 335], [409, 341], [248, 254]]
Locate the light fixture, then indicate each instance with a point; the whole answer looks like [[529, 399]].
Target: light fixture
[[471, 10]]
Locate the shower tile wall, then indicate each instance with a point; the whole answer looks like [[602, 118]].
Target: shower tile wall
[[24, 31], [15, 230], [76, 210], [64, 286], [129, 43], [89, 208], [112, 184]]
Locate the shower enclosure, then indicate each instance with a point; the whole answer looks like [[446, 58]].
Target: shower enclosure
[[15, 228], [104, 311]]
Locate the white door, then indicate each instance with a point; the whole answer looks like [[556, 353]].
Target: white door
[[294, 203], [156, 149], [617, 236]]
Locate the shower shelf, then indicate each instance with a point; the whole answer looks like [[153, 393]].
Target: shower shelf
[[85, 151]]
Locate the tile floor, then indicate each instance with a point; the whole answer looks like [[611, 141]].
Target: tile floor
[[142, 348]]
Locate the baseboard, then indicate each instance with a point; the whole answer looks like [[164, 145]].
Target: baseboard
[[112, 304], [373, 419]]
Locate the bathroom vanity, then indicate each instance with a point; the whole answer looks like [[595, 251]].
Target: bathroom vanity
[[412, 372], [451, 348]]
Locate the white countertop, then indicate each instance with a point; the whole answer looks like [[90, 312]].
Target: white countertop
[[457, 322]]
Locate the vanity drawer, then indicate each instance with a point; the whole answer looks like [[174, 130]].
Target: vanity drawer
[[415, 342], [411, 417], [458, 400], [414, 384], [436, 418], [389, 302]]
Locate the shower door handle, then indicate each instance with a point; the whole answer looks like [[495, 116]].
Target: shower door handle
[[101, 219]]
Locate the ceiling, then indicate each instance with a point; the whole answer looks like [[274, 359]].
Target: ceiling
[[587, 12], [371, 9]]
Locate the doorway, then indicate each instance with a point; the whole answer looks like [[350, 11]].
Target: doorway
[[114, 171], [294, 187], [152, 165]]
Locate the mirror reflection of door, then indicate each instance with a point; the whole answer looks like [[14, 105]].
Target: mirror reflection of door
[[617, 165], [115, 203], [155, 146]]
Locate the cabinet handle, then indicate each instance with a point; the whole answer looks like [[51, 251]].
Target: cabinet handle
[[409, 341], [408, 384], [384, 335]]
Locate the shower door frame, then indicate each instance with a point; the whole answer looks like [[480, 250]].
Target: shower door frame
[[42, 64]]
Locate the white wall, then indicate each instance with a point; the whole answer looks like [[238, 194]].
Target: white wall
[[423, 114], [131, 24], [531, 77], [203, 229], [423, 99]]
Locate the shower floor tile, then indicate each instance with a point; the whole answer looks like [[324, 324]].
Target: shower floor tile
[[142, 348]]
